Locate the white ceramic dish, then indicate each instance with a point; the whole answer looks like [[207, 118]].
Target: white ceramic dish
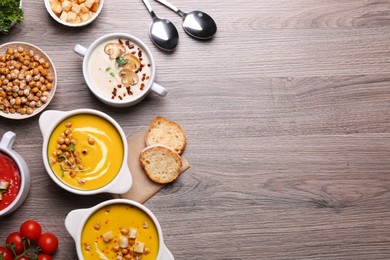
[[6, 147], [76, 219], [52, 70], [48, 122], [151, 85], [55, 17]]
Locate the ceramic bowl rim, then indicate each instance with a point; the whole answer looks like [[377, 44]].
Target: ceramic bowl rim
[[56, 18], [61, 118], [37, 111], [24, 180], [90, 211], [105, 98]]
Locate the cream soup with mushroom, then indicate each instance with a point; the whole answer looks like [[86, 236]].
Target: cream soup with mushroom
[[119, 69]]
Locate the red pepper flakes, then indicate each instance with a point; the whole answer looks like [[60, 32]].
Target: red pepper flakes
[[129, 45], [120, 41]]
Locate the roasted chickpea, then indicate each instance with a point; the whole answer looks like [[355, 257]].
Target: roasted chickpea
[[30, 110], [10, 51], [35, 90], [35, 71], [46, 65]]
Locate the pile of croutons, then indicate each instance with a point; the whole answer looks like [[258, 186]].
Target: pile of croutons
[[74, 11]]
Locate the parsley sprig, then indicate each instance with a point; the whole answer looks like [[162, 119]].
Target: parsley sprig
[[10, 14]]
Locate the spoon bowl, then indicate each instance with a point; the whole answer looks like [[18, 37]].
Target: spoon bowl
[[164, 34], [199, 25], [196, 23], [162, 31]]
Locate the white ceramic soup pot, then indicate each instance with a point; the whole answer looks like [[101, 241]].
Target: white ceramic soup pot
[[77, 221], [119, 69], [92, 178], [22, 185]]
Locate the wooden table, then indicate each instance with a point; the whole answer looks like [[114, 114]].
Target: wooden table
[[287, 114]]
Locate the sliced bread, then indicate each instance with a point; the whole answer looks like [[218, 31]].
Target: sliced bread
[[160, 163], [168, 133]]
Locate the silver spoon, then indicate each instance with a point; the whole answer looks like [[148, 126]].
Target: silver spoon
[[196, 23], [162, 31]]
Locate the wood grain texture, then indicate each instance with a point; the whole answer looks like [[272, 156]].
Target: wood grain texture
[[287, 114]]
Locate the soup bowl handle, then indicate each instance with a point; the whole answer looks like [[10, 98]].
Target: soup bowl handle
[[166, 254], [73, 221], [49, 119], [123, 183], [80, 50], [159, 90], [8, 140]]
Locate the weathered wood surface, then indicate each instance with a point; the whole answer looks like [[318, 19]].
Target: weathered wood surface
[[287, 113]]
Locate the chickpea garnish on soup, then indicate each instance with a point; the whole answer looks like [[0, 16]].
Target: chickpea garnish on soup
[[85, 152]]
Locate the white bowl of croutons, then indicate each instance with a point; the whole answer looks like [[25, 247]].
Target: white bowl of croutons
[[74, 13]]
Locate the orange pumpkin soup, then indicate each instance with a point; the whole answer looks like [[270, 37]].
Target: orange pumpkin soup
[[120, 230], [85, 151]]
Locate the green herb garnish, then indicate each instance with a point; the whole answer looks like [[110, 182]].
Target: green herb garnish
[[71, 147], [108, 69], [10, 14], [121, 61], [112, 74]]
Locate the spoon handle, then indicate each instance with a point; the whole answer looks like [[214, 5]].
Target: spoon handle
[[149, 7], [171, 6]]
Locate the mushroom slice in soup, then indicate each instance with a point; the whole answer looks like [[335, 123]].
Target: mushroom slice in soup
[[114, 50], [129, 78], [132, 62]]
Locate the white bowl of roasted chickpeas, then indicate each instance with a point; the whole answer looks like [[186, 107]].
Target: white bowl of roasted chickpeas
[[74, 13], [28, 80]]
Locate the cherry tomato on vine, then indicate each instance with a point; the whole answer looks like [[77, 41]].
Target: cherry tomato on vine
[[6, 253], [24, 258], [48, 242], [45, 257], [31, 229], [17, 239]]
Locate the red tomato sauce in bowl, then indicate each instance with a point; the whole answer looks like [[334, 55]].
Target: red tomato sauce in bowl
[[9, 172]]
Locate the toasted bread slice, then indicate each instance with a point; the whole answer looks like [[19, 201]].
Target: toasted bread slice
[[168, 133], [160, 163]]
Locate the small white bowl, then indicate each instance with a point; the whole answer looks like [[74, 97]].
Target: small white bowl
[[6, 148], [106, 98], [76, 219], [49, 120], [55, 17], [52, 70]]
